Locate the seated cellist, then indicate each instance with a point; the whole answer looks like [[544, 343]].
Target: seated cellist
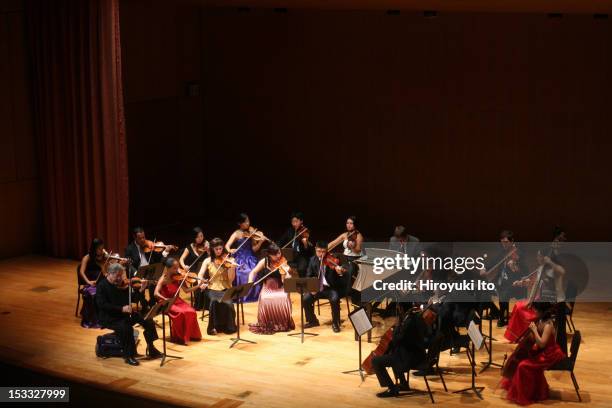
[[537, 350], [546, 286]]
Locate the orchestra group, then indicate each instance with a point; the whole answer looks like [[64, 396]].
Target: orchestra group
[[115, 298]]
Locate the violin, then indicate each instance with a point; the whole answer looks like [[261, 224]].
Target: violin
[[280, 265], [332, 262], [158, 246], [189, 277], [225, 262], [135, 282], [257, 235]]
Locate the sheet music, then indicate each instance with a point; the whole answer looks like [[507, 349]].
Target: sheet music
[[361, 322], [475, 335]]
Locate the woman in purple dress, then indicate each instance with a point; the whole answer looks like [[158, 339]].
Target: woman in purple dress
[[92, 267], [244, 253]]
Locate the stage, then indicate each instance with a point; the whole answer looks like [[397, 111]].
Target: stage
[[41, 333]]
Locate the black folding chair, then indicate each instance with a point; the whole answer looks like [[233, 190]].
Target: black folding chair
[[431, 361], [568, 363]]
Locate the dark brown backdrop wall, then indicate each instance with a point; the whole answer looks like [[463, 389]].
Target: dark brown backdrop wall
[[456, 126], [20, 206]]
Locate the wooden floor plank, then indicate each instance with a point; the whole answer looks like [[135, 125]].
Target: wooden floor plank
[[40, 332]]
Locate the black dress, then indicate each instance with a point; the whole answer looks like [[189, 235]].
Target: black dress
[[89, 317], [201, 301]]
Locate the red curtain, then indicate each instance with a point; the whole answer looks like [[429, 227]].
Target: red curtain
[[79, 122]]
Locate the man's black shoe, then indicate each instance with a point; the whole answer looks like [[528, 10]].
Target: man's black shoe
[[403, 387], [308, 325], [501, 323], [391, 392], [336, 328], [154, 353], [131, 361]]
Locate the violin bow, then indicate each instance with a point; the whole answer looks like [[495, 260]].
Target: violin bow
[[294, 238], [258, 281], [152, 250]]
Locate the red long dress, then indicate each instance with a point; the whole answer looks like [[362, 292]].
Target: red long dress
[[184, 319], [519, 320], [528, 384]]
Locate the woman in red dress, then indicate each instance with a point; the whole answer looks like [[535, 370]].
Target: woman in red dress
[[527, 383], [184, 319]]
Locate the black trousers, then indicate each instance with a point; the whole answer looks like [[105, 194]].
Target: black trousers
[[124, 329], [380, 364], [326, 293]]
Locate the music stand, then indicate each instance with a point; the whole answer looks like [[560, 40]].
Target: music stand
[[150, 272], [237, 293], [362, 324], [489, 347], [301, 286], [475, 338], [162, 307]]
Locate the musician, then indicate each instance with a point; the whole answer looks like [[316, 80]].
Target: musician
[[298, 240], [115, 313], [511, 266], [352, 242], [546, 284], [136, 252], [244, 253], [406, 350], [559, 238], [523, 373], [92, 268], [403, 242], [197, 250], [217, 274], [274, 308], [331, 284], [184, 319]]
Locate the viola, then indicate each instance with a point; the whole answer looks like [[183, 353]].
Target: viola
[[256, 235], [135, 282], [158, 246]]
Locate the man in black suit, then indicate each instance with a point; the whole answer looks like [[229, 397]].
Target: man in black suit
[[331, 284], [302, 248], [138, 257], [115, 313], [406, 350]]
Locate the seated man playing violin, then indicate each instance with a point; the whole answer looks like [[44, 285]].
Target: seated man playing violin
[[331, 283], [115, 313], [142, 252]]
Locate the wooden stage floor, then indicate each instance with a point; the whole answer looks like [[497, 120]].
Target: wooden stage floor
[[40, 332]]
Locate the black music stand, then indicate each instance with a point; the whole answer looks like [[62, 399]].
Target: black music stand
[[362, 324], [471, 354], [489, 347], [301, 286], [237, 293], [150, 272], [162, 307]]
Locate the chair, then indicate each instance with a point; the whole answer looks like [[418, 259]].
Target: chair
[[431, 361], [568, 363], [80, 286]]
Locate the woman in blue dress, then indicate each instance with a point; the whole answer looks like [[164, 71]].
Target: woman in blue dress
[[244, 253]]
